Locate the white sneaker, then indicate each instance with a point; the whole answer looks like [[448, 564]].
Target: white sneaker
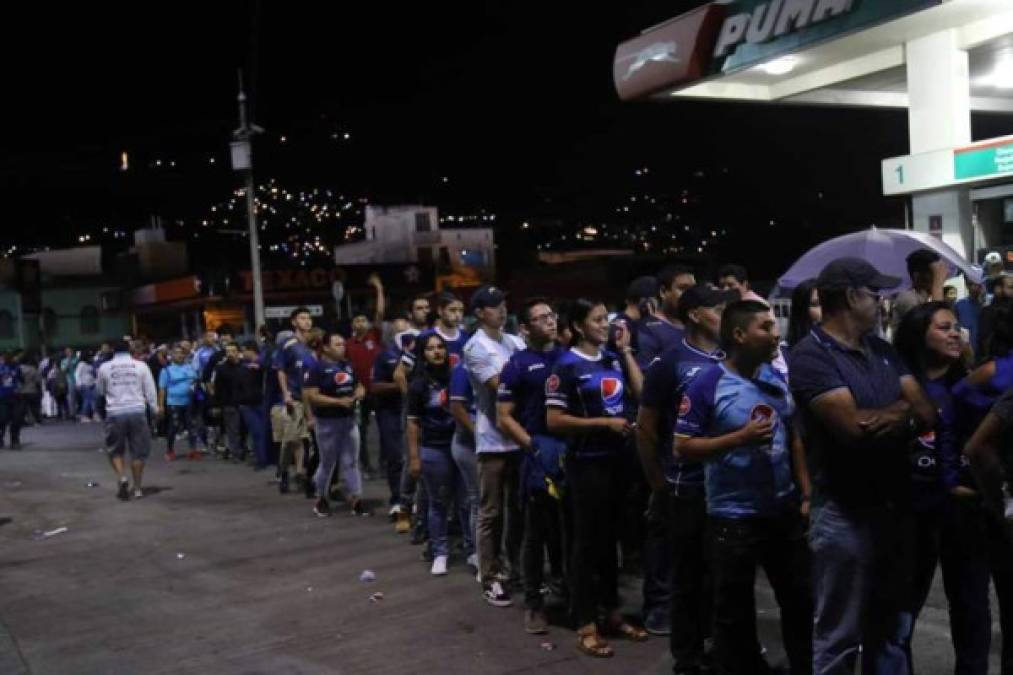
[[394, 510], [473, 561], [439, 566], [138, 493]]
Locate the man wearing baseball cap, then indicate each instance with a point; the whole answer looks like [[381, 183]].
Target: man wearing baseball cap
[[499, 458], [860, 409], [674, 575]]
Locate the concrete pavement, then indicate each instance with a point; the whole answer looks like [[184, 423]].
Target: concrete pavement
[[213, 571]]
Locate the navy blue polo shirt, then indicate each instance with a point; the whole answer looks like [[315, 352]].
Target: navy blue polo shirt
[[295, 359], [522, 383], [335, 379], [383, 372], [872, 472], [654, 338], [461, 391], [429, 405], [588, 388], [665, 381]]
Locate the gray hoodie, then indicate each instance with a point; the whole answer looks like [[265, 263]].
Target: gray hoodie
[[127, 385]]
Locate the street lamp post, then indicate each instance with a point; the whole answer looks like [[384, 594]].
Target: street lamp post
[[242, 161]]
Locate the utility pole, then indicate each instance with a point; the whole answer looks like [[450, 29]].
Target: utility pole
[[242, 161]]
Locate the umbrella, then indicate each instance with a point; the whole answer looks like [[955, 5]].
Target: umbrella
[[887, 250]]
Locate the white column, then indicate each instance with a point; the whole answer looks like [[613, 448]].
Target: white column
[[939, 116]]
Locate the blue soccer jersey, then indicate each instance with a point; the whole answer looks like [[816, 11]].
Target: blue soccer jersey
[[522, 383], [429, 405], [664, 384], [335, 379], [752, 480], [588, 388], [455, 346]]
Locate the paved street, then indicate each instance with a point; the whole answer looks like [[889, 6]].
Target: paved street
[[215, 572]]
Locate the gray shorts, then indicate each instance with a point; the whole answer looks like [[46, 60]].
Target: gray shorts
[[129, 432]]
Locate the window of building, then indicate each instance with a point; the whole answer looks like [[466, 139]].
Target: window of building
[[6, 325], [89, 320], [422, 222], [50, 322]]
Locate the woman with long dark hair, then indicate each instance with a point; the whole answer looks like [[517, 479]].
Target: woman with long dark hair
[[948, 523], [589, 398], [430, 434], [805, 311]]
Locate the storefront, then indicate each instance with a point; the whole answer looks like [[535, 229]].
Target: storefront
[[941, 60]]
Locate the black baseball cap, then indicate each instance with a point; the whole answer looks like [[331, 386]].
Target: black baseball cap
[[642, 287], [703, 296], [487, 296], [854, 273]]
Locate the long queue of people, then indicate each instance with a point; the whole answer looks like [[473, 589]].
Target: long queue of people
[[683, 436]]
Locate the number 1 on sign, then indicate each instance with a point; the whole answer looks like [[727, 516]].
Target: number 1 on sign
[[900, 174]]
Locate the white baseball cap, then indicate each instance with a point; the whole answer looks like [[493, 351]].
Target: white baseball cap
[[993, 258]]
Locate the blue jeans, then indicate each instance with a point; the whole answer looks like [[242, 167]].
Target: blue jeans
[[87, 401], [253, 418], [859, 590], [338, 440], [441, 478], [468, 498]]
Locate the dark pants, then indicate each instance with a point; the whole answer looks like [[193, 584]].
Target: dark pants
[[180, 418], [738, 547], [858, 559], [542, 531], [256, 426], [596, 490], [691, 589], [33, 404], [12, 415], [391, 432], [1001, 563], [658, 556], [365, 409]]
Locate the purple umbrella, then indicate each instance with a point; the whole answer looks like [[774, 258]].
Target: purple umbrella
[[887, 250]]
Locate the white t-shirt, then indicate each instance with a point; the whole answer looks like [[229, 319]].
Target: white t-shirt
[[484, 359]]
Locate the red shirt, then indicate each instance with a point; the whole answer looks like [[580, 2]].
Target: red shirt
[[362, 353]]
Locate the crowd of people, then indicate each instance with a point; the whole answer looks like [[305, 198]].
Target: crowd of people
[[683, 438]]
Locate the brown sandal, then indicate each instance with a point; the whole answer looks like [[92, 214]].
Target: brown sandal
[[589, 642], [629, 631]]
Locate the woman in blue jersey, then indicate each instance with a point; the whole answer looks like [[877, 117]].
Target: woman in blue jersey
[[332, 391], [430, 434], [948, 521], [588, 399]]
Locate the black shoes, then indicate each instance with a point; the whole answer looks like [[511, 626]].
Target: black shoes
[[123, 494], [322, 509], [283, 483]]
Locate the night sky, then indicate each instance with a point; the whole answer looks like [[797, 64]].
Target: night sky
[[512, 102]]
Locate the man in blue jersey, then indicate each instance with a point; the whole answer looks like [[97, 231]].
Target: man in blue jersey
[[664, 330], [388, 403], [675, 578], [289, 420], [520, 415], [737, 417]]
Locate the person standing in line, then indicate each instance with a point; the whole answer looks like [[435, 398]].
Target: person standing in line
[[587, 399], [176, 386], [641, 304], [289, 419], [462, 449], [68, 364], [250, 397], [499, 458], [129, 392], [968, 311], [332, 391], [737, 417], [520, 415], [861, 407], [949, 524], [363, 347], [805, 312], [677, 583], [389, 408], [11, 415], [223, 388], [663, 330], [84, 378], [736, 278], [430, 434], [30, 391]]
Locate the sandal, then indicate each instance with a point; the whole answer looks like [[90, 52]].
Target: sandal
[[629, 631], [589, 642]]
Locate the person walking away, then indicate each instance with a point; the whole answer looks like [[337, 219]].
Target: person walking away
[[587, 399], [176, 386], [129, 392], [332, 391]]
